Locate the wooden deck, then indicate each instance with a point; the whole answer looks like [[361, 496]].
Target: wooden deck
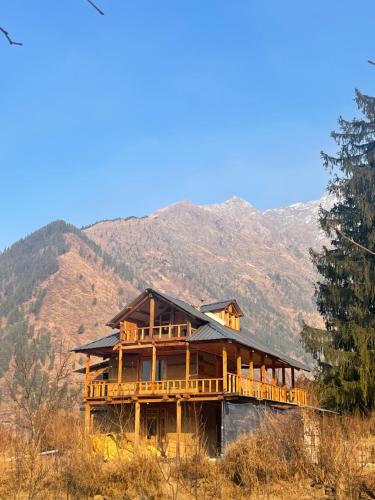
[[231, 385]]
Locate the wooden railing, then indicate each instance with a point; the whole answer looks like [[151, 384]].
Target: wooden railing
[[243, 386], [157, 332]]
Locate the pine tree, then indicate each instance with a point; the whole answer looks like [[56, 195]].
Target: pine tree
[[345, 350]]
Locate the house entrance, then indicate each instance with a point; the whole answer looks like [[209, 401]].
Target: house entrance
[[154, 427]]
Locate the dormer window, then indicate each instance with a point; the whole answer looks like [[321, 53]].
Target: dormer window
[[226, 312]]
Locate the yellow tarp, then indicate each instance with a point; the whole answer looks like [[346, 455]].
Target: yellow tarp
[[109, 447]]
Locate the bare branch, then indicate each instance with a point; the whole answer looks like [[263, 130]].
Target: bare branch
[[96, 7], [8, 37], [338, 231]]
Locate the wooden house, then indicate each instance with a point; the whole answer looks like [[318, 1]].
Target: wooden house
[[172, 372]]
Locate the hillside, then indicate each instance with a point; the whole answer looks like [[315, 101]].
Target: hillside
[[69, 282], [226, 250], [57, 280]]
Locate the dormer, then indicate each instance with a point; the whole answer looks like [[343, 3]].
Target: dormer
[[226, 312]]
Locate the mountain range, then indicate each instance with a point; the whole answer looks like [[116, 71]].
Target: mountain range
[[69, 281]]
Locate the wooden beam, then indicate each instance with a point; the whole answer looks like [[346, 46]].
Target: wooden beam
[[251, 370], [119, 369], [239, 371], [225, 368], [87, 372], [263, 371], [137, 423], [153, 364], [187, 366], [87, 418], [152, 315], [178, 427]]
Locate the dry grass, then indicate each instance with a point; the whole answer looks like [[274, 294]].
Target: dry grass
[[273, 462]]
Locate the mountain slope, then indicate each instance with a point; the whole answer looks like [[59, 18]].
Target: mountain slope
[[57, 280], [226, 250]]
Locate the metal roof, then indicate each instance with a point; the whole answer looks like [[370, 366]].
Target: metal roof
[[217, 306], [107, 341], [215, 331], [95, 366]]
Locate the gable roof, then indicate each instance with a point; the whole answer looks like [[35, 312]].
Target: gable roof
[[210, 330], [218, 306]]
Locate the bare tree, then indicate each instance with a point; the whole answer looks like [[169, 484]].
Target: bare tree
[[11, 41]]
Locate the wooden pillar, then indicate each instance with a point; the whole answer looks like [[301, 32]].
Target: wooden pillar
[[119, 369], [152, 315], [187, 366], [87, 418], [283, 376], [273, 373], [87, 375], [293, 377], [178, 427], [239, 371], [251, 371], [225, 368], [153, 364], [137, 423], [263, 376]]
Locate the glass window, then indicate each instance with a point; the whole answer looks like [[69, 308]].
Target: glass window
[[146, 370]]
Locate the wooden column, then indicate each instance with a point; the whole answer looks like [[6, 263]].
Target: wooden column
[[283, 377], [273, 373], [225, 368], [263, 376], [293, 378], [178, 427], [87, 418], [239, 371], [119, 369], [187, 367], [251, 371], [87, 375], [153, 364], [152, 315], [137, 423]]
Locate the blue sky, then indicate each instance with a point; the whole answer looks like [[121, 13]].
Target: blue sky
[[166, 100]]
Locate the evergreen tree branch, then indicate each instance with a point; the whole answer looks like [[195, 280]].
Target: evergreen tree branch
[[345, 237], [371, 62]]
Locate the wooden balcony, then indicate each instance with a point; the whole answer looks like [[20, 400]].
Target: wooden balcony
[[160, 332], [233, 384]]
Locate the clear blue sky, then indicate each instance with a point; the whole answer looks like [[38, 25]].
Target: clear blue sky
[[166, 100]]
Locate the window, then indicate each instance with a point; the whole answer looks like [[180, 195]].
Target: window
[[146, 370], [105, 375]]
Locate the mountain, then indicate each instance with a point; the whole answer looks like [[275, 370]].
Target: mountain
[[210, 252], [58, 281], [68, 282]]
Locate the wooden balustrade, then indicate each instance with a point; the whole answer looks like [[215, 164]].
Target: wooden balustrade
[[206, 386], [158, 332]]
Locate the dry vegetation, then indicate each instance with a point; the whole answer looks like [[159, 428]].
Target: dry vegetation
[[277, 461]]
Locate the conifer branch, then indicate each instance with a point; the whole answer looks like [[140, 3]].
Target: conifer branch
[[371, 62], [345, 237]]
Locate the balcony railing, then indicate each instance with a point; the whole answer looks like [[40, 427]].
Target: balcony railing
[[158, 332], [243, 386]]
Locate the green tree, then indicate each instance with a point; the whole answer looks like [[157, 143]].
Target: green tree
[[345, 350]]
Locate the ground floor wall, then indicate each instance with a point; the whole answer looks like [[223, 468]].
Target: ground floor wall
[[210, 425]]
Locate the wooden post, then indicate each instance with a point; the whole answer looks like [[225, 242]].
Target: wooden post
[[178, 427], [251, 371], [293, 378], [263, 376], [152, 315], [225, 369], [137, 423], [153, 364], [239, 371], [87, 375], [187, 367], [119, 370], [87, 418], [273, 373], [283, 377]]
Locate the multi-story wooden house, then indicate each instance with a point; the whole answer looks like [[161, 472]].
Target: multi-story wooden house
[[172, 371]]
